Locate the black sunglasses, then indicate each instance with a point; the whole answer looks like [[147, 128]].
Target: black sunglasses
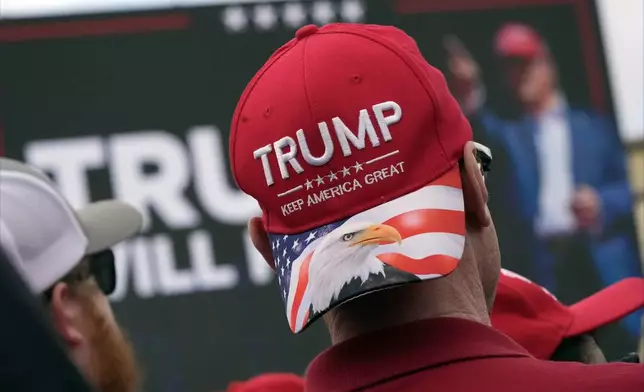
[[100, 266], [484, 159], [103, 268]]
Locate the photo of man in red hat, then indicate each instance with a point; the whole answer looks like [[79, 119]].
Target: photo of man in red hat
[[565, 168]]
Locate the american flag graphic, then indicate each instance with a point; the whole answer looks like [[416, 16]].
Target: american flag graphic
[[431, 223]]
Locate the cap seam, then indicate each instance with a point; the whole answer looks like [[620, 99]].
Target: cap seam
[[306, 89], [237, 118], [392, 48]]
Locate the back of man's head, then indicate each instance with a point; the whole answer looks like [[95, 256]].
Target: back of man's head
[[363, 164]]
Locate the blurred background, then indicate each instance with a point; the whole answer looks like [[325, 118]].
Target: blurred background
[[133, 99]]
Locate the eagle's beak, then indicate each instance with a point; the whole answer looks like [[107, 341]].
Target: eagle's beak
[[377, 234]]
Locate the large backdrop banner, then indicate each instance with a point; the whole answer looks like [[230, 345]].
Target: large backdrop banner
[[137, 106]]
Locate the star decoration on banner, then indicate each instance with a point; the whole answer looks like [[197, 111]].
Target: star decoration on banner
[[308, 184], [270, 16], [352, 11], [346, 171], [294, 15], [319, 180], [264, 17], [235, 19], [358, 167], [332, 176], [323, 12]]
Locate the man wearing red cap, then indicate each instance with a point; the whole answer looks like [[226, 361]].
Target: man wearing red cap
[[375, 219], [566, 183], [535, 319]]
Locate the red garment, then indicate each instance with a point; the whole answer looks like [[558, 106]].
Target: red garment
[[536, 320], [269, 382], [456, 355]]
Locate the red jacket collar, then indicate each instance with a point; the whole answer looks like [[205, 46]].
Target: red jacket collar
[[386, 354]]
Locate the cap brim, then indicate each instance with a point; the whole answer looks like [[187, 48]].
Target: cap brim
[[106, 223], [607, 306], [418, 236]]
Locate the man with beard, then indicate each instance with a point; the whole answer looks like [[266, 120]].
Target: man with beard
[[64, 256]]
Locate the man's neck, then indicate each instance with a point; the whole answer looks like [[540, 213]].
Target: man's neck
[[406, 304]]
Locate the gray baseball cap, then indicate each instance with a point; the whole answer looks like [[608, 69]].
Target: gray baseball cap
[[44, 236]]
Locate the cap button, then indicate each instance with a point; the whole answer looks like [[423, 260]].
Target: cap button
[[305, 31]]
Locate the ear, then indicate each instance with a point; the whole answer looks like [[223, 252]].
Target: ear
[[66, 315], [474, 189], [260, 240]]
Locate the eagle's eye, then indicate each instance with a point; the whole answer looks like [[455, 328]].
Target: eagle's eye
[[348, 237]]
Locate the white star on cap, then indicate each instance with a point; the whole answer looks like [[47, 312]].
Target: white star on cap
[[358, 167], [294, 15], [309, 184], [332, 176], [235, 19], [346, 172], [319, 180], [310, 238]]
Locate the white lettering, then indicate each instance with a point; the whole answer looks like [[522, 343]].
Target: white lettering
[[217, 197], [291, 207], [329, 193], [171, 280], [134, 257], [385, 121], [346, 138], [68, 160], [262, 153], [384, 173], [207, 274], [328, 146], [163, 190], [365, 127], [288, 157]]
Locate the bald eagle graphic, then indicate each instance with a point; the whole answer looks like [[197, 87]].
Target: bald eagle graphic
[[345, 256]]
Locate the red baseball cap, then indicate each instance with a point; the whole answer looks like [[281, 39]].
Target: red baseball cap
[[535, 319], [519, 40], [350, 141], [269, 382]]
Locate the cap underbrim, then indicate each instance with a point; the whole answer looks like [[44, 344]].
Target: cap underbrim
[[106, 223], [607, 306], [418, 236]]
